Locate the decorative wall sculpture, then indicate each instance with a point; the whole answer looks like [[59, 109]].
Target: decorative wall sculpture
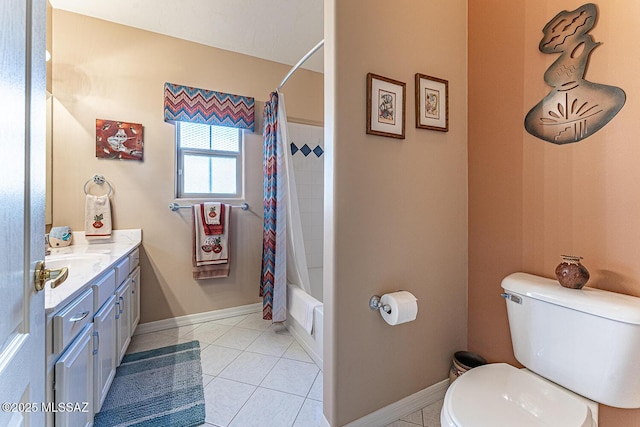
[[576, 108]]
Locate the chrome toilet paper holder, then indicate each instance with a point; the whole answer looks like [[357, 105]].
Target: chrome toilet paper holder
[[375, 304]]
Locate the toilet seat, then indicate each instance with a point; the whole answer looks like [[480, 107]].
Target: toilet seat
[[502, 395]]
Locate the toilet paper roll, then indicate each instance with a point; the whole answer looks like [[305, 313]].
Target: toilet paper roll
[[404, 307]]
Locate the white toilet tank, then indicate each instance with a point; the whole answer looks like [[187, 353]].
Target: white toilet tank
[[585, 340]]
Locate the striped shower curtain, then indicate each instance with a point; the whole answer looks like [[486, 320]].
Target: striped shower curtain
[[273, 286]]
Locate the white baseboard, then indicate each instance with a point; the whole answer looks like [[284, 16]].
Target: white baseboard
[[193, 319], [403, 407]]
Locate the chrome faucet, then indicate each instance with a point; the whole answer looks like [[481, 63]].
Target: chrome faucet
[[47, 246]]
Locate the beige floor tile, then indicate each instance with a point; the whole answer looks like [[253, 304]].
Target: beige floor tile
[[249, 368], [415, 418], [431, 414], [238, 338]]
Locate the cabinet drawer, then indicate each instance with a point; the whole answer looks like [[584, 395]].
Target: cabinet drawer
[[103, 288], [69, 321], [134, 259], [122, 271]]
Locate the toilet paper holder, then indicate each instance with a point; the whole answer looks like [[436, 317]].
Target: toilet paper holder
[[375, 304]]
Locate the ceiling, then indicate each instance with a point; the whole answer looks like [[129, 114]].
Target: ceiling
[[278, 30]]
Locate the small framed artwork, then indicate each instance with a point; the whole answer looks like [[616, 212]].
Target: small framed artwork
[[118, 140], [432, 103], [385, 106]]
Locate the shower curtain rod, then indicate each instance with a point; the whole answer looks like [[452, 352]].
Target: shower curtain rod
[[302, 61]]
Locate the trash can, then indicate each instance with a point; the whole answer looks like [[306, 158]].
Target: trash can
[[462, 361]]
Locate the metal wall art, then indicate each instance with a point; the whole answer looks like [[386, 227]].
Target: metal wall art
[[576, 108]]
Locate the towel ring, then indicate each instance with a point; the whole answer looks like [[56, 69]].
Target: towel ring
[[98, 179]]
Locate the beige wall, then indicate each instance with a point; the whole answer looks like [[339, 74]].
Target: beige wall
[[109, 71], [49, 43], [531, 201], [396, 210]]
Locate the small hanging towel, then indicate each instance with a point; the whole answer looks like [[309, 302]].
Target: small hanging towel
[[212, 229], [213, 213], [97, 222], [211, 251]]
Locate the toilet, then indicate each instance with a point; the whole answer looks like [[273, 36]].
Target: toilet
[[579, 348]]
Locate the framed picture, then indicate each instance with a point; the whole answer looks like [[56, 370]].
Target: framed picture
[[432, 103], [385, 106], [118, 140]]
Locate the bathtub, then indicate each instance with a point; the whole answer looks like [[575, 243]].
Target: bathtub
[[312, 343]]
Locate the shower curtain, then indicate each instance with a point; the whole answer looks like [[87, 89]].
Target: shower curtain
[[283, 254]]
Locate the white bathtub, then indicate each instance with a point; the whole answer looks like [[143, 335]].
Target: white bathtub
[[312, 344]]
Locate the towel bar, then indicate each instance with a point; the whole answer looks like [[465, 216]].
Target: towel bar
[[174, 206]]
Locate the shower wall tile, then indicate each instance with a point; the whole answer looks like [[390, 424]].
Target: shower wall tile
[[309, 175]]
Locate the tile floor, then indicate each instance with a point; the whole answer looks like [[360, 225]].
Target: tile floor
[[256, 374], [426, 417]]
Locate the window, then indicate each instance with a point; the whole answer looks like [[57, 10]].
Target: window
[[209, 161]]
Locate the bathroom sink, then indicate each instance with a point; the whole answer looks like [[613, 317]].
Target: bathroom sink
[[77, 263], [76, 257]]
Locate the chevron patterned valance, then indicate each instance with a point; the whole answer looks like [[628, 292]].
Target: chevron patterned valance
[[189, 104]]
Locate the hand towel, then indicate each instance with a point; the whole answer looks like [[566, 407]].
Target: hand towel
[[210, 252], [212, 230], [301, 305], [213, 213], [97, 221]]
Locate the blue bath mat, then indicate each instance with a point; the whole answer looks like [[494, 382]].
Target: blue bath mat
[[160, 387]]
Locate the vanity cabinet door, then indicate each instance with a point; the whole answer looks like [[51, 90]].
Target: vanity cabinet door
[[104, 355], [123, 319], [74, 382], [135, 299]]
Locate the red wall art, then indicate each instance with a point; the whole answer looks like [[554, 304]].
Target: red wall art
[[118, 140]]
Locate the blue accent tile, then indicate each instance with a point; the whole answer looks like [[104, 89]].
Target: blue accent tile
[[318, 151], [294, 148], [305, 150]]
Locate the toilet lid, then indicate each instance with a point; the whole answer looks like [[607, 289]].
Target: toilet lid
[[501, 395]]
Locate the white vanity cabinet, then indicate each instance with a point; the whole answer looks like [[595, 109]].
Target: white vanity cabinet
[[135, 299], [73, 333], [134, 275], [89, 326], [104, 355], [123, 319], [74, 382]]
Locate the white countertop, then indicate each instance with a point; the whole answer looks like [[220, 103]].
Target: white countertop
[[86, 261]]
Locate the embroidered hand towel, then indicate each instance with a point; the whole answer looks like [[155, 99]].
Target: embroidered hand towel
[[97, 221], [211, 230], [212, 213], [210, 252]]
